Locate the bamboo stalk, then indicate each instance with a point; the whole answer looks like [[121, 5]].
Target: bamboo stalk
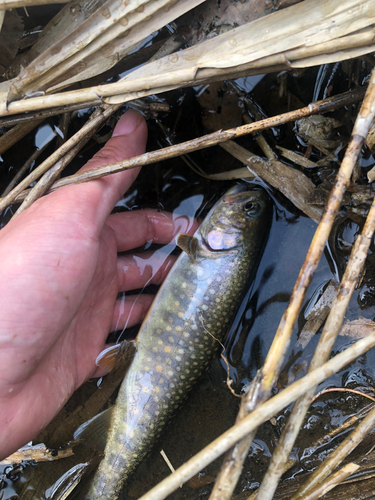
[[263, 413], [208, 140], [233, 461]]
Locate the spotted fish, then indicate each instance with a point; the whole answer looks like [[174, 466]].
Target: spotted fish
[[190, 314]]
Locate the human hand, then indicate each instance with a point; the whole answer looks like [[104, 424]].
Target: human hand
[[60, 277]]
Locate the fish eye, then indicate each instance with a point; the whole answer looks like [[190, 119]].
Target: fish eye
[[252, 208]]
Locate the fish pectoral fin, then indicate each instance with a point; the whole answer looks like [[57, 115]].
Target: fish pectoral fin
[[188, 244], [93, 433], [118, 353]]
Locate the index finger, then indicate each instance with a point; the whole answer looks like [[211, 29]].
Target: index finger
[[136, 228]]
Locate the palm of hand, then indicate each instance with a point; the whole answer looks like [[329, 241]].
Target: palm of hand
[[60, 279]]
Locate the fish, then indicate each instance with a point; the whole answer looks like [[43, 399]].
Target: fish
[[182, 331]]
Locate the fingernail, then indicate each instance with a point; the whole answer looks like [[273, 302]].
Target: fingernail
[[128, 123]]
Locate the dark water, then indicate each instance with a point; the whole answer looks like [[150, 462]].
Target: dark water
[[172, 186]]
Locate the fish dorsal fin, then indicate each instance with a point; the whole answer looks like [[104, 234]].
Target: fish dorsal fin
[[188, 244], [93, 433], [117, 353]]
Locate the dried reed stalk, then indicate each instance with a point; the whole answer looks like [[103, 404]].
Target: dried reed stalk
[[334, 480], [113, 30], [95, 120], [205, 141], [309, 33], [26, 117], [321, 354], [15, 4], [98, 118], [233, 461]]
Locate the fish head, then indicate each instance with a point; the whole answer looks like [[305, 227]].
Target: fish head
[[239, 214]]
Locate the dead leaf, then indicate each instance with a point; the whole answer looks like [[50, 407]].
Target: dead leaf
[[10, 34], [221, 108], [357, 329]]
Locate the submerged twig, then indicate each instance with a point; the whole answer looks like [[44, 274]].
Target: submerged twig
[[349, 422], [17, 133], [25, 167], [260, 415], [233, 462], [317, 315], [63, 129], [261, 140], [342, 389], [38, 453], [205, 141]]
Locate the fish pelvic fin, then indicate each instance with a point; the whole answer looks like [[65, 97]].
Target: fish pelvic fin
[[93, 433], [188, 244]]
